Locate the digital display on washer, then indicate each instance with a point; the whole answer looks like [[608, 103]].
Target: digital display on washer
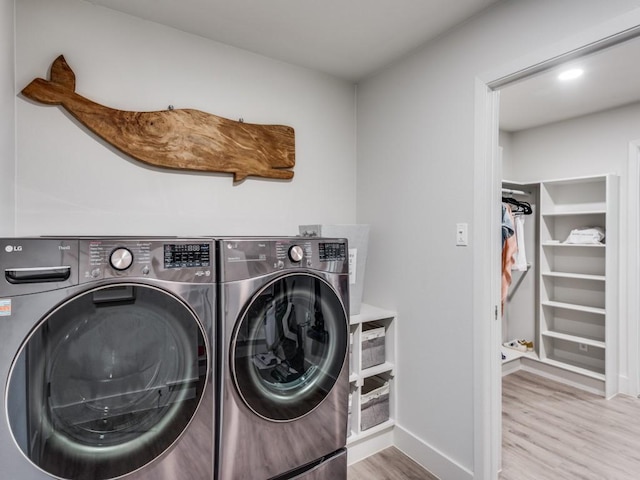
[[181, 255], [331, 252]]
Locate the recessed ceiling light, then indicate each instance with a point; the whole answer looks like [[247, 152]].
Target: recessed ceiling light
[[570, 74]]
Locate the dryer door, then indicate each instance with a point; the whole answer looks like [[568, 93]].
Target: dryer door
[[107, 382], [289, 347]]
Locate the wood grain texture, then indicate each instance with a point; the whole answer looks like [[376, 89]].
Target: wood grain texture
[[554, 431], [550, 431], [179, 139], [389, 464]]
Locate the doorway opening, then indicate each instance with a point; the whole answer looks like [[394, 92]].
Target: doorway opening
[[546, 159]]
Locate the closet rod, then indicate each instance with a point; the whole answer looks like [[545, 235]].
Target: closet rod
[[515, 192]]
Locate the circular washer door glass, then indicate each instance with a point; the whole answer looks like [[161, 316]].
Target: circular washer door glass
[[289, 347], [107, 382]]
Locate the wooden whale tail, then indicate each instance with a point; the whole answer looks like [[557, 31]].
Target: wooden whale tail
[[62, 83], [270, 173]]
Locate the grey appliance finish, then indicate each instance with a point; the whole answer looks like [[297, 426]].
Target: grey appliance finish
[[107, 358], [284, 373], [328, 468]]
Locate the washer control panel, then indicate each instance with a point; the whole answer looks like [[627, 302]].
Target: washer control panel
[[249, 257], [171, 259]]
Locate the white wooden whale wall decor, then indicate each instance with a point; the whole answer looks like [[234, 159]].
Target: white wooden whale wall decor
[[183, 139]]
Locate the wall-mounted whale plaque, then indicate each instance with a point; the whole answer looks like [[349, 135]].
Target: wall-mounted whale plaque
[[179, 139]]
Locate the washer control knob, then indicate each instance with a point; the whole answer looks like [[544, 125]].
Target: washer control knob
[[95, 273], [121, 258], [145, 270], [296, 253]]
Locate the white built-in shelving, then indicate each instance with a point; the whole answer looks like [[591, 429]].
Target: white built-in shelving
[[578, 282], [360, 442]]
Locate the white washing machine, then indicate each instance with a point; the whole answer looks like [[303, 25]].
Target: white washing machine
[[106, 359], [284, 376]]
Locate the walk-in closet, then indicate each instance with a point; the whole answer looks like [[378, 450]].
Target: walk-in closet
[[560, 279], [569, 206]]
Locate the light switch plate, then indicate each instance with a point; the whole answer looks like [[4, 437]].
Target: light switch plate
[[462, 234]]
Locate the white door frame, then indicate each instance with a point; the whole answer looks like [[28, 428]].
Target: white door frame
[[486, 234], [631, 306], [486, 291]]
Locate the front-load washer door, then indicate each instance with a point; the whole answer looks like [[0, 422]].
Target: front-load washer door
[[289, 347], [107, 382]]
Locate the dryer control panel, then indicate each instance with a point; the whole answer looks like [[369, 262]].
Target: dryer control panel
[[176, 260], [244, 258]]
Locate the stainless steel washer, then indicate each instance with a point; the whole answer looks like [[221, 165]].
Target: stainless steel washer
[[106, 360], [284, 388]]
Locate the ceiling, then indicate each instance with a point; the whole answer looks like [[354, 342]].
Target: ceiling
[[349, 39], [609, 81]]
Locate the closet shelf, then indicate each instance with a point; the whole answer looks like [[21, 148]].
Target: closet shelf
[[370, 313], [576, 276], [386, 367], [510, 191], [572, 245], [585, 370], [571, 306], [574, 339], [513, 354], [571, 212]]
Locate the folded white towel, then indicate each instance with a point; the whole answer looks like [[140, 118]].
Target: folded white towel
[[586, 236]]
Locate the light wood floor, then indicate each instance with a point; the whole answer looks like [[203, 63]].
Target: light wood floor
[[549, 431], [389, 464], [554, 431]]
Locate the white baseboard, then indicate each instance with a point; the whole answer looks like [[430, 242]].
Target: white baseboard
[[563, 376], [368, 446], [436, 462], [627, 387]]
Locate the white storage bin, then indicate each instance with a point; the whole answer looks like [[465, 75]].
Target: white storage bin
[[374, 402], [373, 341]]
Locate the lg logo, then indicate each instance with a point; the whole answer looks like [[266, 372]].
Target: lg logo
[[12, 248]]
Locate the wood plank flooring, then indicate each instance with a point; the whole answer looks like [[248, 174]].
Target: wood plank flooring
[[551, 431], [554, 431], [389, 464]]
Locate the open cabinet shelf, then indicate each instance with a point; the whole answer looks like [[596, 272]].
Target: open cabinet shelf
[[577, 326], [372, 377], [577, 276]]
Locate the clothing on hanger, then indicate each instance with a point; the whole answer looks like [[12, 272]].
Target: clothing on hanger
[[518, 206], [520, 259], [509, 248], [508, 228]]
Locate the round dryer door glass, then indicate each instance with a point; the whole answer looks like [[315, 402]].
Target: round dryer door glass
[[107, 382], [290, 347]]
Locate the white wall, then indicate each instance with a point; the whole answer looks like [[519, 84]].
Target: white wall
[[588, 145], [69, 182], [7, 119], [505, 144], [415, 182]]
